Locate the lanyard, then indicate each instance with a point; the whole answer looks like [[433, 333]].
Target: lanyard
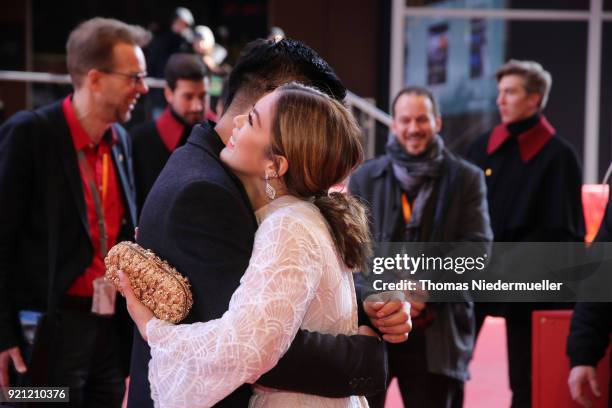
[[95, 194], [406, 208]]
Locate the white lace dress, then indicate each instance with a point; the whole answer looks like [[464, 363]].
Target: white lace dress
[[295, 279]]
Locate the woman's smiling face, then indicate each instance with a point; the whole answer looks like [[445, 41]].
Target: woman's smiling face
[[247, 151]]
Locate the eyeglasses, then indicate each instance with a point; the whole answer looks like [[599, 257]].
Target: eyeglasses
[[136, 78]]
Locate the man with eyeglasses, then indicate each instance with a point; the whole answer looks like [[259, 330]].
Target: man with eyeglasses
[[67, 197]]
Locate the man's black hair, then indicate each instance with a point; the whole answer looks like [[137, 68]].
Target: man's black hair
[[420, 91], [184, 66], [266, 64]]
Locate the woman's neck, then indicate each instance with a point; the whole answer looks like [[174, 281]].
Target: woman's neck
[[256, 190]]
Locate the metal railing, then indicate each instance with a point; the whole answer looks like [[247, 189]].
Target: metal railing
[[365, 111], [367, 115]]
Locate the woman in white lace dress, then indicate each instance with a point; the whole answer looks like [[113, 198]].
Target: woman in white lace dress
[[288, 151]]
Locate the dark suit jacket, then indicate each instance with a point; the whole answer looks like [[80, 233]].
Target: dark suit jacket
[[27, 143], [198, 217], [457, 211], [150, 157], [151, 154], [591, 325]]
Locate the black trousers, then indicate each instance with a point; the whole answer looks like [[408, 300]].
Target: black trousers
[[84, 355], [419, 387], [518, 339], [518, 335]]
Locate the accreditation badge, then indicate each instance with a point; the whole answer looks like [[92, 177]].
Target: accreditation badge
[[104, 296]]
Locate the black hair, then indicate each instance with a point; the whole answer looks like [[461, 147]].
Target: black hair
[[417, 90], [184, 66], [266, 64]]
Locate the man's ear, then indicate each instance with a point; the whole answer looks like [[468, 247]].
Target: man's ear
[[393, 127], [168, 94], [535, 100], [438, 124], [92, 79]]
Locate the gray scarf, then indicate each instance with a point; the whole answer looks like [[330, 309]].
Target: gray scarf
[[417, 176]]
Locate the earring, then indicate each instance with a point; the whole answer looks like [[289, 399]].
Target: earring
[[270, 191]]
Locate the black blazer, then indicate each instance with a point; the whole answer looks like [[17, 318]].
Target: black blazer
[[150, 155], [198, 217], [591, 325], [27, 142]]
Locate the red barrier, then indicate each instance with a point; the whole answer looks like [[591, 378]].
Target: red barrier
[[550, 365]]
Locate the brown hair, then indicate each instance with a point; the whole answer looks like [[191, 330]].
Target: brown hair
[[321, 141], [184, 66], [90, 45], [536, 78]]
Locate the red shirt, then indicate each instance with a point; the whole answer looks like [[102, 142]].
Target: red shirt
[[100, 160], [170, 129]]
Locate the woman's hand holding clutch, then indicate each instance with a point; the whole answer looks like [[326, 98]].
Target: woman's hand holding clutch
[[137, 310], [158, 285]]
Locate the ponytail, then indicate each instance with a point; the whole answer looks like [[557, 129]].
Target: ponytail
[[347, 218], [321, 141]]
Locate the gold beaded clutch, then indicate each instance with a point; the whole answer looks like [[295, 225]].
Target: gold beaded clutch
[[157, 284]]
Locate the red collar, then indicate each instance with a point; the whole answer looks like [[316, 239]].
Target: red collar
[[170, 129], [530, 142], [80, 138]]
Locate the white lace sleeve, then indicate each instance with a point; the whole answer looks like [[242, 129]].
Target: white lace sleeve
[[197, 365]]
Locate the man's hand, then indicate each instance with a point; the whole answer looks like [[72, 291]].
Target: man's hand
[[418, 300], [416, 307], [137, 310], [6, 357], [578, 377], [391, 318], [367, 331]]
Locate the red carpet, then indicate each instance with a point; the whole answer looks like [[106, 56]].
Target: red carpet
[[489, 384]]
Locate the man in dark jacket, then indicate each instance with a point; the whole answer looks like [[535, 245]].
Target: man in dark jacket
[[421, 192], [153, 142], [198, 217], [67, 196], [590, 333], [534, 190]]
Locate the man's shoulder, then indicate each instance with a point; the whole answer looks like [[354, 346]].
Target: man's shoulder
[[483, 138], [461, 165], [143, 130], [561, 145], [373, 168], [51, 112], [191, 165], [478, 147], [36, 124]]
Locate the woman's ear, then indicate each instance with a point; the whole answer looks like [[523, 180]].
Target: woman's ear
[[277, 167], [282, 165]]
